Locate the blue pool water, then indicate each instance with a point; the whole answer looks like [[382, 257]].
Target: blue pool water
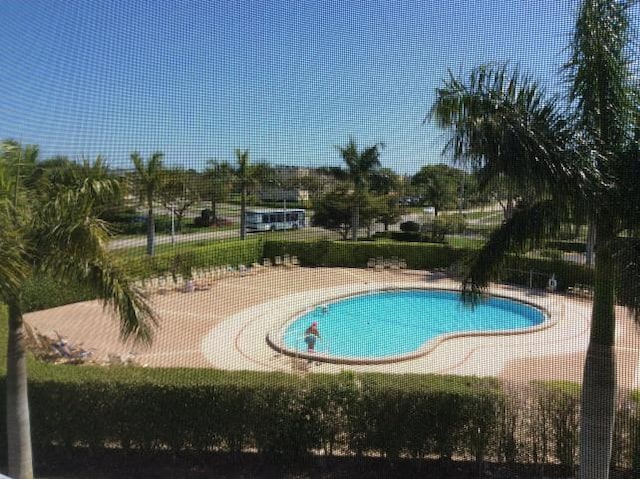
[[390, 323]]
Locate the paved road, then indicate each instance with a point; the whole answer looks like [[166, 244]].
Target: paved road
[[179, 238], [208, 235], [213, 235]]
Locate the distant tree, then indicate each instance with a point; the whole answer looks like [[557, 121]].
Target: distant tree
[[390, 211], [333, 211], [313, 183], [439, 186], [178, 192], [217, 184], [384, 181], [360, 167], [148, 180], [264, 174], [244, 177], [376, 208]]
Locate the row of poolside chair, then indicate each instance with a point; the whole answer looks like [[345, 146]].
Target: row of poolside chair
[[581, 290], [204, 278], [286, 260], [380, 263]]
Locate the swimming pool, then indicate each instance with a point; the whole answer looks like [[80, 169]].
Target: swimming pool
[[399, 324]]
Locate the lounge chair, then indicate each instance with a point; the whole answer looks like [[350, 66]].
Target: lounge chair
[[379, 266]]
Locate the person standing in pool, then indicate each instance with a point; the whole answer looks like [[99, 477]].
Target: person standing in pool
[[311, 335]]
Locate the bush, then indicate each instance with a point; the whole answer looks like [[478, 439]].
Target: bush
[[209, 253], [289, 416], [43, 292], [356, 254], [204, 220], [451, 224], [410, 226], [551, 253], [567, 274], [568, 246], [137, 225], [274, 413]]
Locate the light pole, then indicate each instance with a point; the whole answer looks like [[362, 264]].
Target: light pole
[[173, 226]]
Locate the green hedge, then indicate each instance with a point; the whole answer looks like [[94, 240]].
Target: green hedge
[[43, 291], [427, 256], [275, 414], [356, 254], [567, 274], [285, 415], [568, 246], [410, 236], [198, 255]]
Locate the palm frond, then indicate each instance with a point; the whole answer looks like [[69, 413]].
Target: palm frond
[[527, 228], [13, 267], [599, 73], [70, 242], [502, 123]]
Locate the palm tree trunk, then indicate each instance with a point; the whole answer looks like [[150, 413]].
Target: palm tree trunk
[[591, 242], [243, 219], [356, 222], [151, 232], [18, 426], [599, 380]]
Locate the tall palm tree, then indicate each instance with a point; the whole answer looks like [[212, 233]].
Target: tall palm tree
[[360, 166], [587, 157], [59, 235], [244, 176], [149, 180]]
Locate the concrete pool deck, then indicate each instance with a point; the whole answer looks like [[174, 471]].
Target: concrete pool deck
[[225, 327]]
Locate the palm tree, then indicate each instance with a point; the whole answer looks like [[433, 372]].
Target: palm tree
[[244, 176], [360, 166], [217, 184], [502, 122], [149, 180], [59, 235]]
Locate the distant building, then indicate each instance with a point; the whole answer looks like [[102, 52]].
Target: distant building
[[287, 172], [283, 194]]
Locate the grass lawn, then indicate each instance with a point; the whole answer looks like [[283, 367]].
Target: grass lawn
[[289, 235]]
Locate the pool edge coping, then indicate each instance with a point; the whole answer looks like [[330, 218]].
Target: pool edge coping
[[425, 349]]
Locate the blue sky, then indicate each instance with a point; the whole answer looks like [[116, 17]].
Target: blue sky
[[286, 80]]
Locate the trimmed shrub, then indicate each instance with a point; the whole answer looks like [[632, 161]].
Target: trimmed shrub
[[413, 237], [568, 246], [210, 253], [567, 274], [410, 226], [43, 291], [274, 413], [356, 254], [551, 253]]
